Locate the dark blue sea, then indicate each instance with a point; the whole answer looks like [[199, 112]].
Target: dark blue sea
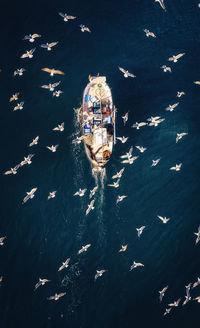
[[42, 234]]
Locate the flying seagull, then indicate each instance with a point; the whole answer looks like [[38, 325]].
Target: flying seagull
[[56, 296], [14, 97], [126, 73], [99, 274], [30, 195], [140, 230], [60, 127], [118, 175], [148, 33], [52, 195], [84, 28], [175, 58], [2, 240], [52, 71], [41, 282], [161, 2], [84, 248], [31, 37], [48, 46], [166, 68], [34, 142], [135, 265], [19, 71], [80, 193], [64, 264], [163, 219], [51, 86], [28, 54], [180, 136], [93, 191], [66, 17], [52, 148], [177, 167], [90, 207], [162, 293]]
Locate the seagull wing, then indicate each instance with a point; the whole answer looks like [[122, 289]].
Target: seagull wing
[[44, 46], [35, 35], [62, 15], [52, 44], [56, 84], [46, 69], [131, 75], [24, 55], [57, 71], [45, 86], [122, 69], [180, 55]]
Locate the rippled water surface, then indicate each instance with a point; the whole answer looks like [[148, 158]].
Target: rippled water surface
[[42, 234]]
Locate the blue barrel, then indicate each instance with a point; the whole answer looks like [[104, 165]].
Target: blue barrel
[[87, 128]]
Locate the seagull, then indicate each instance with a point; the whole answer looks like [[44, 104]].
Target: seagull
[[93, 191], [30, 194], [120, 198], [153, 119], [167, 311], [138, 125], [176, 303], [141, 149], [123, 248], [53, 71], [196, 283], [52, 148], [19, 106], [140, 230], [64, 264], [155, 162], [90, 207], [148, 33], [161, 2], [57, 93], [197, 82], [155, 123], [166, 68], [52, 195], [1, 279], [60, 127], [115, 184], [175, 58], [129, 154], [125, 118], [180, 136], [66, 17], [34, 142], [198, 235], [2, 240], [197, 299], [188, 296], [51, 86], [171, 107], [84, 248], [14, 97], [162, 293], [80, 193], [118, 175], [123, 139], [12, 170], [99, 274], [130, 160], [41, 282], [177, 167], [19, 71], [163, 219], [56, 296], [84, 28], [31, 37], [27, 160], [28, 54], [180, 94], [48, 46], [126, 73], [135, 265]]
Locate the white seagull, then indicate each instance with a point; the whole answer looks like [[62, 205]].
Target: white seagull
[[166, 68], [171, 107], [122, 139], [48, 46], [148, 33], [84, 28], [118, 175], [31, 37], [19, 106], [51, 86], [99, 274], [41, 282], [28, 54], [80, 193], [66, 17], [161, 2], [52, 148], [120, 198], [57, 93], [135, 265], [141, 149], [163, 219], [93, 191], [138, 125], [90, 207], [52, 194], [126, 73], [140, 230], [34, 142], [84, 248], [30, 195], [162, 293], [56, 296], [125, 118], [19, 71], [64, 264], [177, 167], [180, 136], [2, 240], [198, 235], [123, 248], [180, 94], [60, 127], [175, 58], [155, 162]]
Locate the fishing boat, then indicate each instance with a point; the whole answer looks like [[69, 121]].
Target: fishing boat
[[98, 121]]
